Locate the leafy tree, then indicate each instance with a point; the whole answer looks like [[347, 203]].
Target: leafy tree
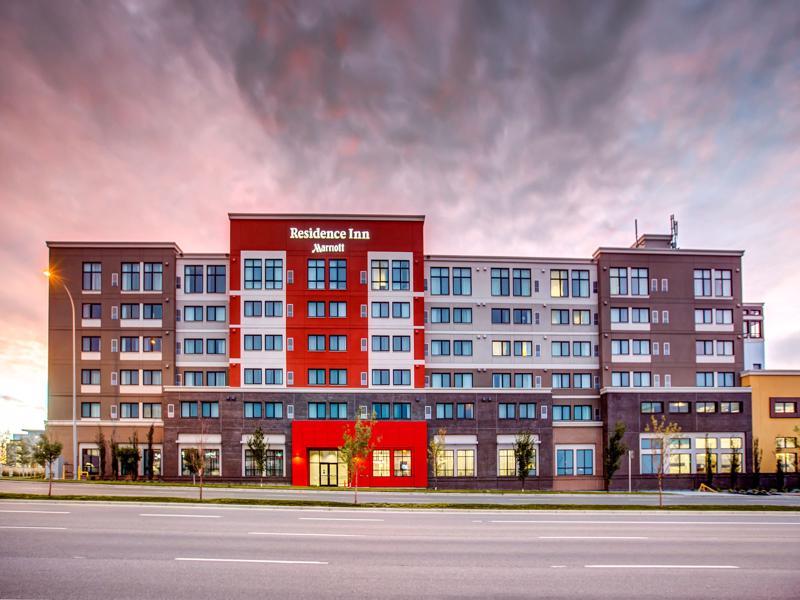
[[45, 453], [664, 431], [193, 461], [258, 447], [357, 445], [435, 452], [757, 455], [5, 442], [615, 450], [524, 454], [734, 467], [148, 463], [709, 465], [100, 440], [114, 458]]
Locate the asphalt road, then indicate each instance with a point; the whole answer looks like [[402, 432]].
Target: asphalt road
[[674, 498], [65, 550]]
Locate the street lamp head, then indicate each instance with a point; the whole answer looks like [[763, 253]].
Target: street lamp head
[[47, 273]]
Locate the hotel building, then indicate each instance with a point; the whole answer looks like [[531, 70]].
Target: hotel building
[[310, 320]]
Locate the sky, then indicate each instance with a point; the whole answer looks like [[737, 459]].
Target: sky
[[517, 128]]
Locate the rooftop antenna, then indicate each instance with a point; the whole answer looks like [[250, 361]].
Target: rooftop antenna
[[636, 231], [673, 229]]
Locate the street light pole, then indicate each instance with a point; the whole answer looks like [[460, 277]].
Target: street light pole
[[630, 456], [49, 275]]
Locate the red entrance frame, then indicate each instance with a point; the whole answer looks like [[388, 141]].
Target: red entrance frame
[[389, 435]]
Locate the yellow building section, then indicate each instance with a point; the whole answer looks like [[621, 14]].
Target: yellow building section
[[776, 417]]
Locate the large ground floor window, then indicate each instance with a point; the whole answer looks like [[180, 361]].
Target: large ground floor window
[[574, 460], [211, 467], [273, 465], [507, 463], [689, 453], [456, 462]]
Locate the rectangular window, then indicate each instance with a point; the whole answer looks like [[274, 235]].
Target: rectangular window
[[440, 281], [151, 344], [702, 316], [381, 410], [565, 462], [215, 279], [702, 282], [559, 349], [444, 410], [252, 342], [273, 410], [582, 380], [401, 377], [337, 310], [561, 413], [130, 277], [582, 413], [501, 316], [129, 410], [401, 343], [316, 343], [462, 281], [462, 380], [253, 376], [462, 315], [216, 378], [560, 380], [440, 380], [317, 410], [380, 274], [465, 410], [641, 347], [316, 274], [559, 283], [337, 343], [501, 348], [91, 311], [440, 315], [724, 316], [215, 346], [337, 410], [192, 346], [192, 313], [730, 407], [92, 272], [193, 378], [618, 278], [92, 343], [152, 311], [580, 284], [501, 380], [722, 283], [273, 273], [401, 275], [527, 410], [188, 410], [402, 463], [402, 410], [705, 407], [273, 376], [90, 410], [559, 317], [380, 463], [337, 274], [619, 315], [252, 308], [640, 315], [679, 407], [380, 310], [581, 317], [641, 379], [649, 408], [316, 377], [380, 343], [523, 348], [380, 376], [338, 376], [581, 349], [253, 277], [129, 311], [523, 380], [724, 348], [151, 377], [500, 282], [620, 379], [273, 343], [639, 278], [465, 463], [129, 377], [704, 379], [401, 310], [521, 282]]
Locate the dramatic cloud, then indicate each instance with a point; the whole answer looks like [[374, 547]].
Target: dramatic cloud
[[517, 127]]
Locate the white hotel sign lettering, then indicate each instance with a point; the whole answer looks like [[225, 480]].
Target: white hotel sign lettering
[[317, 233]]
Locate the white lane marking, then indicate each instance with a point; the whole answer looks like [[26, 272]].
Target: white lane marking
[[335, 519], [565, 522], [255, 560], [592, 537], [558, 567], [286, 533], [27, 527], [660, 567], [39, 512], [180, 516]]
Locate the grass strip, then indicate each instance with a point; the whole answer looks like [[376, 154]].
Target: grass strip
[[403, 505]]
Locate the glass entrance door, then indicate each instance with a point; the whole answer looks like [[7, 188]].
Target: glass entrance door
[[328, 474], [326, 469]]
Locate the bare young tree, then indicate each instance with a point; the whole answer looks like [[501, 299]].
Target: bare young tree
[[663, 431], [357, 445], [45, 453], [435, 452]]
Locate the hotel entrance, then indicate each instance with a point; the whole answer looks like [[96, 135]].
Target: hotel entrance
[[325, 469]]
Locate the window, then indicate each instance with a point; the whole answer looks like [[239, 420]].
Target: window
[[380, 343], [702, 316], [704, 379], [724, 316], [522, 316], [521, 282], [130, 277], [401, 275], [559, 349], [783, 407], [92, 272], [129, 311], [501, 380], [401, 377], [338, 376], [252, 308], [724, 348], [129, 410], [522, 348], [316, 343], [582, 380], [316, 274], [581, 317], [639, 282], [92, 343], [705, 407], [273, 273], [402, 410], [462, 315], [730, 407], [618, 277], [641, 379], [317, 410], [640, 315], [192, 313], [402, 463], [506, 410], [559, 283], [253, 277], [192, 346], [129, 377], [337, 310], [500, 282], [253, 376], [252, 342], [785, 442], [273, 376], [560, 380], [153, 311], [702, 282], [215, 279], [380, 310], [90, 410], [337, 343], [440, 315], [465, 410], [151, 377], [506, 463], [215, 346], [380, 463], [193, 378], [444, 410], [619, 315], [580, 284], [273, 410], [523, 380], [501, 348], [91, 311], [582, 413], [722, 283], [380, 274], [440, 281], [620, 379], [465, 463], [380, 376], [188, 410], [273, 343], [679, 407], [316, 377], [501, 316], [381, 410], [649, 408], [462, 348], [210, 410], [401, 343], [462, 281], [641, 347], [440, 380], [337, 274], [561, 413], [559, 317], [216, 378], [445, 464], [565, 464], [401, 310]]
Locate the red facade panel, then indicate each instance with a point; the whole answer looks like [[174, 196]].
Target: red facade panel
[[387, 435]]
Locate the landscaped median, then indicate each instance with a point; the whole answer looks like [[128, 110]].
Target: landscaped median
[[403, 505]]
